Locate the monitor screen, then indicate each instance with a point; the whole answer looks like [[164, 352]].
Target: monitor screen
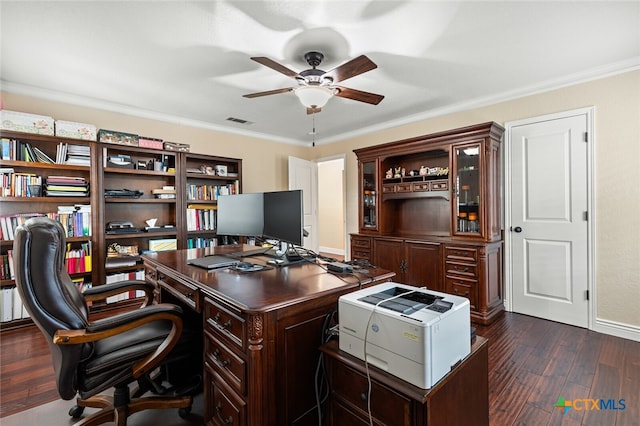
[[240, 214], [283, 216]]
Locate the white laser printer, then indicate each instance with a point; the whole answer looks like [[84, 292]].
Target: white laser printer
[[415, 334]]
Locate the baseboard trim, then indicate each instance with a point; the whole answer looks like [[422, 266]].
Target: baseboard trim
[[617, 329], [332, 250]]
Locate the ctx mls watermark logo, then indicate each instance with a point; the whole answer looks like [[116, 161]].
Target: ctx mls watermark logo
[[588, 404]]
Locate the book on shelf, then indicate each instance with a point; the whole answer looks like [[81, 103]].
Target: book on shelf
[[122, 276]]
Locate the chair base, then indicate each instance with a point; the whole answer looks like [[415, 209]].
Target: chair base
[[109, 412]]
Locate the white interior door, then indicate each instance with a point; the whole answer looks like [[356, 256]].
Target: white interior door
[[548, 168], [303, 175]]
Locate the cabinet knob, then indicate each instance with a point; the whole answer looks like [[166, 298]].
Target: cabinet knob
[[363, 396]]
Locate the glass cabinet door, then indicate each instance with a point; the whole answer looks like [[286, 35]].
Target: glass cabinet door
[[368, 195], [467, 180]]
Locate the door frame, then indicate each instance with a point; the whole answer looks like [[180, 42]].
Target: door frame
[[343, 158], [589, 113]]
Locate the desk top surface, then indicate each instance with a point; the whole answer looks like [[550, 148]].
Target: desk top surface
[[268, 289]]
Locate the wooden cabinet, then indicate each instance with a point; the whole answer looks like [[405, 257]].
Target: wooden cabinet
[[206, 178], [414, 262], [431, 192], [29, 188], [52, 176], [357, 393], [134, 168]]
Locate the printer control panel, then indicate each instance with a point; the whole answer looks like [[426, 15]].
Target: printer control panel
[[407, 301]]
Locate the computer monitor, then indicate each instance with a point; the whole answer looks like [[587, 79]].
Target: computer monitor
[[240, 215], [284, 216]]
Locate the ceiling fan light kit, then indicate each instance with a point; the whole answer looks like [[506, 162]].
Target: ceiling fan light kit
[[313, 96]]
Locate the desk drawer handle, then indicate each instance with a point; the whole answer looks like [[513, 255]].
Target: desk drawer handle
[[226, 421], [188, 295], [460, 269], [217, 317], [216, 356]]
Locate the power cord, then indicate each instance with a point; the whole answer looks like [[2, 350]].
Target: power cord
[[364, 349]]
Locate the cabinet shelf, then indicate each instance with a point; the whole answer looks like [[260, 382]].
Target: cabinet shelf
[[45, 166], [54, 200], [421, 194], [141, 200], [137, 172]]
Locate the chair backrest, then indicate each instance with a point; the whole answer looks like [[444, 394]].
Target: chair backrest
[[48, 294]]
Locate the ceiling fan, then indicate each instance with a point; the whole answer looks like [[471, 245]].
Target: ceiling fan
[[315, 87]]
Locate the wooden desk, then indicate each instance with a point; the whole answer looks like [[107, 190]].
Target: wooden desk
[[459, 398], [261, 331]]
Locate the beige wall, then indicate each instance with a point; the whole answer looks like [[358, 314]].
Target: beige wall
[[265, 163], [617, 176], [617, 166], [331, 206]]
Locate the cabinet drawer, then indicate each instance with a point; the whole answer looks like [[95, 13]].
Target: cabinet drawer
[[185, 293], [403, 187], [221, 322], [469, 254], [439, 185], [361, 243], [386, 405], [361, 254], [421, 186], [463, 269], [465, 288], [227, 408], [226, 363], [388, 188]]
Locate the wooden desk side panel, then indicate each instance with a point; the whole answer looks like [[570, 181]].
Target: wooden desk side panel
[[463, 399]]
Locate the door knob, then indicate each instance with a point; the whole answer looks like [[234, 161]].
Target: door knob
[[517, 229]]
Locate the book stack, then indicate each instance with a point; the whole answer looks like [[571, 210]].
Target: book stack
[[78, 155], [66, 186]]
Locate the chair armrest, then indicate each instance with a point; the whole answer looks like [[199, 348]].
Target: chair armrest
[[117, 324], [101, 292]]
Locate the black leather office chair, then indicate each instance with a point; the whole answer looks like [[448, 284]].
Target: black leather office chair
[[92, 356]]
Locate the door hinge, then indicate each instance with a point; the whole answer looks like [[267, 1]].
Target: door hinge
[[586, 294], [585, 215], [586, 136]]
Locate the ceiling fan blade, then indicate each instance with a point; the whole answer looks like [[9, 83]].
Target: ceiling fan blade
[[275, 66], [358, 95], [354, 67], [268, 92], [313, 110]]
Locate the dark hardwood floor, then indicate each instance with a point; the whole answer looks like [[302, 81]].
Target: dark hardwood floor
[[532, 362]]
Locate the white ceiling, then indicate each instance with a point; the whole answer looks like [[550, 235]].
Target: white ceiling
[[189, 62]]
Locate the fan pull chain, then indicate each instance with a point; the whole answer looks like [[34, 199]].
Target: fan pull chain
[[313, 131]]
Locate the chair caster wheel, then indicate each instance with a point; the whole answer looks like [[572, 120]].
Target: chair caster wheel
[[76, 411], [184, 412]]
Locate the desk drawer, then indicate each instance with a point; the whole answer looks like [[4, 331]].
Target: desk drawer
[[223, 406], [187, 294], [387, 406], [226, 363], [222, 322]]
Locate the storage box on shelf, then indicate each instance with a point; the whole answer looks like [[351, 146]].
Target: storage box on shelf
[[421, 198]]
